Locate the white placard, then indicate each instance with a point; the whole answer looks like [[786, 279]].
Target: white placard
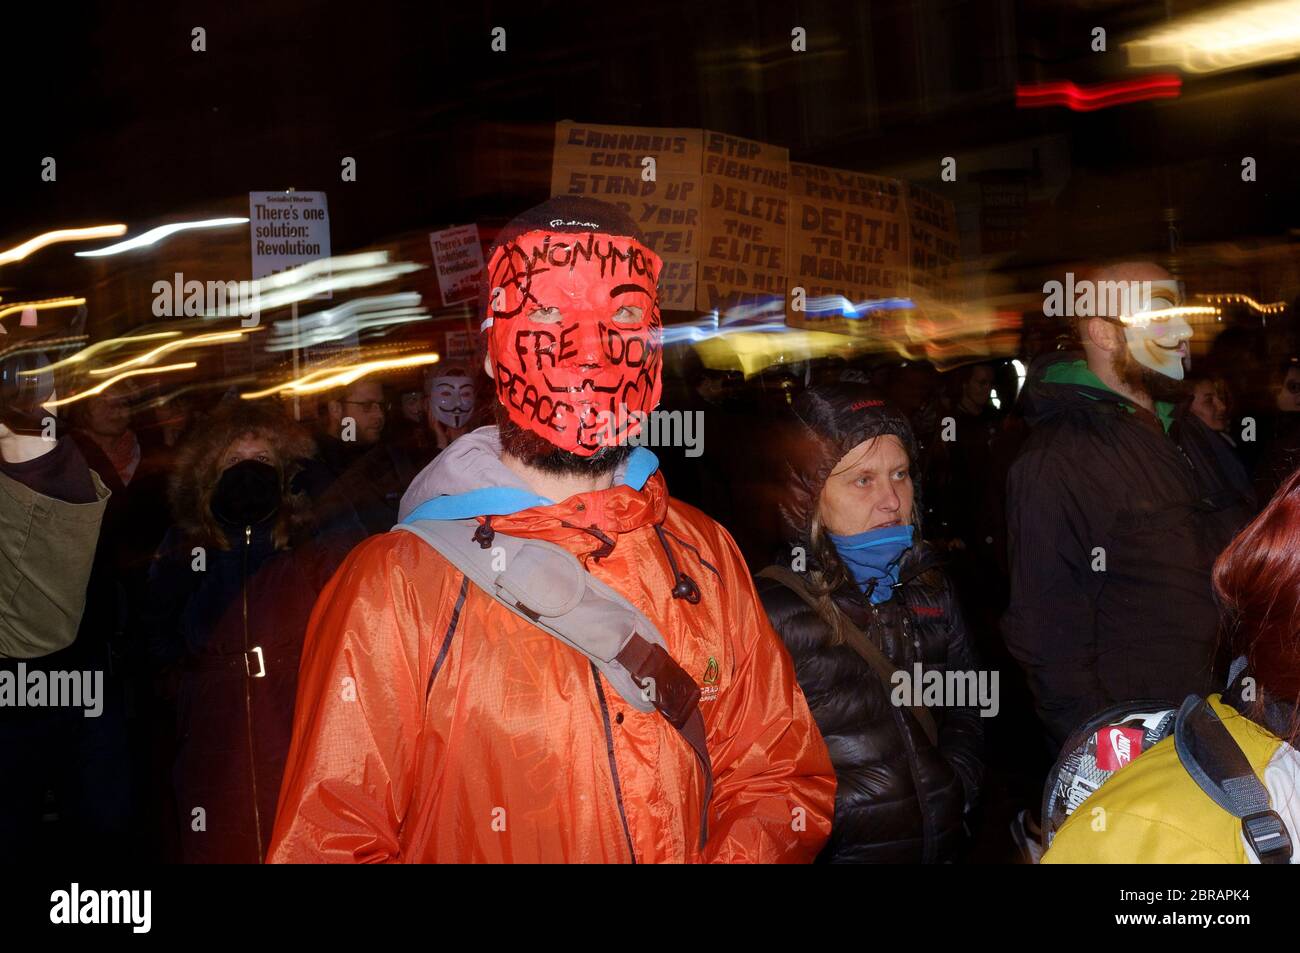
[[287, 229], [458, 257], [460, 347]]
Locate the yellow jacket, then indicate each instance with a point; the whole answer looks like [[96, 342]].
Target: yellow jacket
[[1152, 812]]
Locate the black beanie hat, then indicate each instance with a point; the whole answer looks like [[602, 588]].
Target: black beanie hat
[[829, 421], [570, 213]]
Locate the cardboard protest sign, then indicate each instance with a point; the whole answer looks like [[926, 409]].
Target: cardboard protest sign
[[745, 208], [848, 237], [934, 246], [663, 198], [737, 223]]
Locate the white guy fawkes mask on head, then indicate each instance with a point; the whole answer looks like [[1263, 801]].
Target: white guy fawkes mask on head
[[1157, 337], [451, 398]]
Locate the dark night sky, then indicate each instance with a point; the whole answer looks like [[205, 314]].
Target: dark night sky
[[143, 127]]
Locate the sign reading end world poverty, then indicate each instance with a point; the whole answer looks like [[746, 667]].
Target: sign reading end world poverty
[[662, 195], [286, 230], [458, 258]]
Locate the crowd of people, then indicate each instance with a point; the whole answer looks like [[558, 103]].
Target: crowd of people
[[221, 523], [446, 620]]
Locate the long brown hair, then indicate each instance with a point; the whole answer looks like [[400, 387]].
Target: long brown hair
[[1257, 580]]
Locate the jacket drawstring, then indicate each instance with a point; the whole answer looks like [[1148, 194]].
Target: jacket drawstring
[[485, 533], [684, 586], [606, 544], [681, 542]]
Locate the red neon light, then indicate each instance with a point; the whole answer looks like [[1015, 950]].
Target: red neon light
[[1086, 99]]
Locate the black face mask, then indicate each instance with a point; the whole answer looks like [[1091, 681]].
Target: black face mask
[[247, 494]]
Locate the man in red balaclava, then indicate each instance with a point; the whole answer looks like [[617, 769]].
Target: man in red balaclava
[[434, 724]]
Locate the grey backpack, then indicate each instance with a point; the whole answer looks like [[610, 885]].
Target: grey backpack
[[545, 584]]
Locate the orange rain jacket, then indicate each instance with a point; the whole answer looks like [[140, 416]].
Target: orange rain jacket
[[435, 725]]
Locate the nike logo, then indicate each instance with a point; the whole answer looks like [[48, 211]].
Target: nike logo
[[1121, 746]]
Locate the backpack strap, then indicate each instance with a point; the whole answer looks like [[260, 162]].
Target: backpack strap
[[545, 584], [858, 641], [1216, 762]]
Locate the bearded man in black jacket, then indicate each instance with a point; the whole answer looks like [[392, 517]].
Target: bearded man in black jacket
[[1117, 508]]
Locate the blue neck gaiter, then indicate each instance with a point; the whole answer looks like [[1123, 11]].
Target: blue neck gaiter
[[873, 558]]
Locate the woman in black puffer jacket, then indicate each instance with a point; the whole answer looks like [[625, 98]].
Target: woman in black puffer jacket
[[848, 512]]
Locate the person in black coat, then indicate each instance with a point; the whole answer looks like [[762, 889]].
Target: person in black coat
[[848, 515], [230, 591], [1117, 507]]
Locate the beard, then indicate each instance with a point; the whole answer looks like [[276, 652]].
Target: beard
[[1138, 377], [538, 452]]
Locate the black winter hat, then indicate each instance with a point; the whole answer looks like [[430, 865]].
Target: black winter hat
[[828, 421], [570, 213]]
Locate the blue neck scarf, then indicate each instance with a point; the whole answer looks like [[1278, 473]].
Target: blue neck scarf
[[873, 558]]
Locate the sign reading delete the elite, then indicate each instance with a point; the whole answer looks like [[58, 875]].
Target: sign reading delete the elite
[[286, 230], [745, 204]]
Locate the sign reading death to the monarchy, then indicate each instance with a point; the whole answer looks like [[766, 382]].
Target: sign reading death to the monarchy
[[848, 235]]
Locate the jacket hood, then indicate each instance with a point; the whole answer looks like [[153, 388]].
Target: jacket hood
[[1054, 384], [827, 423], [1061, 381], [197, 466], [468, 479]]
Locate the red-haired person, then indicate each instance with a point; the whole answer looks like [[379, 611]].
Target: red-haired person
[[1154, 811]]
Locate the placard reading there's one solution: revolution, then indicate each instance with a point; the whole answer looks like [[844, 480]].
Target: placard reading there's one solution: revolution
[[287, 229]]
